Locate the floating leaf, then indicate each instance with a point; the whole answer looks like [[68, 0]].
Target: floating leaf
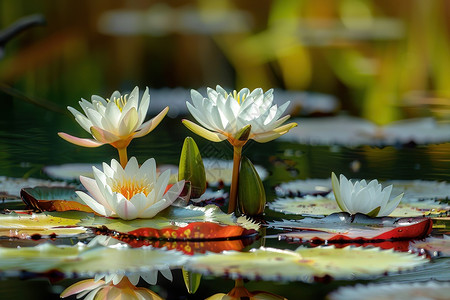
[[434, 247], [341, 227], [322, 206], [53, 199], [299, 188], [417, 290], [12, 186], [25, 225], [420, 189], [304, 264], [88, 261], [180, 223], [351, 131]]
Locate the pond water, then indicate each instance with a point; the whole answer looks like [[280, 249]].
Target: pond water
[[29, 141]]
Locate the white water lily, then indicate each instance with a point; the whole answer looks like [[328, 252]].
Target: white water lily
[[223, 115], [237, 117], [131, 192], [362, 197], [115, 121]]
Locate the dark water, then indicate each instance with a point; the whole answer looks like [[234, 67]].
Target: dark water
[[29, 141]]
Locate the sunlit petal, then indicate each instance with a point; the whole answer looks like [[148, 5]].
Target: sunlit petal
[[80, 141]]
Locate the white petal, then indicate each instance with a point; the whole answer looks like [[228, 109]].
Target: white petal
[[124, 208]]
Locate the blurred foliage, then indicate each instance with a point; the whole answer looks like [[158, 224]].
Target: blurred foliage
[[384, 60]]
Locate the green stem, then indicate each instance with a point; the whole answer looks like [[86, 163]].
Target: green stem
[[237, 151], [123, 156]]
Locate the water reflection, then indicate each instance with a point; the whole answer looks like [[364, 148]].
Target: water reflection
[[108, 289]]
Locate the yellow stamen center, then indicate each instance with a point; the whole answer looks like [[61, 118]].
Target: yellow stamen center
[[237, 97], [120, 102], [130, 187]]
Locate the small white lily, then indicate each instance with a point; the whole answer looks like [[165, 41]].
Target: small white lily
[[115, 121], [130, 192], [237, 117], [361, 197]]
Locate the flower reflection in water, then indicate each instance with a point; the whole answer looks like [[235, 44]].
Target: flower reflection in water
[[103, 289], [240, 292]]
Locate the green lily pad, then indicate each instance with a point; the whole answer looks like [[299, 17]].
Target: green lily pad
[[88, 260], [23, 224], [304, 264], [323, 206]]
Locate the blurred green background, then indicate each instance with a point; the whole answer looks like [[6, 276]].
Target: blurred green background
[[384, 60]]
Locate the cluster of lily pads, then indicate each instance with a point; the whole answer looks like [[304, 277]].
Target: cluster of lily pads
[[147, 221]]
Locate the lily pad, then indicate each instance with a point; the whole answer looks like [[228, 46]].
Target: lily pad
[[23, 224], [85, 260], [179, 223], [420, 189], [392, 291], [323, 206], [433, 246], [12, 186], [53, 199], [299, 188], [342, 227], [304, 264], [351, 131]]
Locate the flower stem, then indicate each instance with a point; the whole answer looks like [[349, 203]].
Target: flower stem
[[237, 151], [123, 156]]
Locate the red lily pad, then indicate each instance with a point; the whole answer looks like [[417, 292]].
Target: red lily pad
[[189, 247], [52, 199], [188, 223], [342, 227]]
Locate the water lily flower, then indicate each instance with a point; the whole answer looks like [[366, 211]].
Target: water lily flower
[[131, 192], [237, 117], [115, 121], [101, 289], [362, 197]]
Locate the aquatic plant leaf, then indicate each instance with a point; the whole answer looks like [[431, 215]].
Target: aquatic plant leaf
[[183, 223], [12, 186], [53, 199], [352, 131], [251, 194], [23, 224], [191, 167], [427, 290], [304, 264], [322, 206], [299, 188], [191, 280], [433, 246], [87, 261], [420, 189], [342, 227]]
